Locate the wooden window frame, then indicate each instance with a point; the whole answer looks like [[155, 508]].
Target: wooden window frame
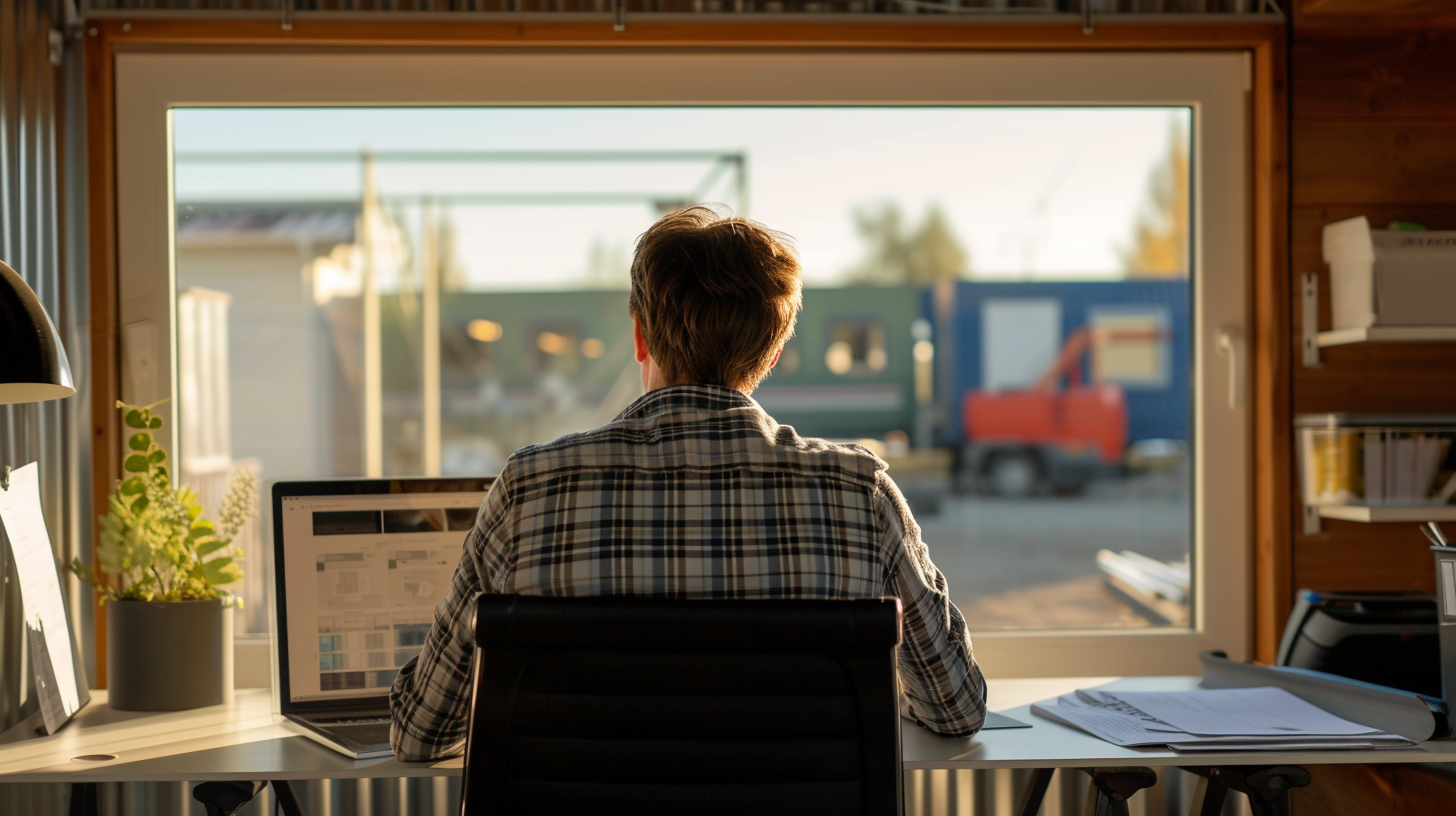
[[1264, 43]]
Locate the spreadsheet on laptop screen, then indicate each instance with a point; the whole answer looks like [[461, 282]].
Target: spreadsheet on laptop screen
[[363, 576]]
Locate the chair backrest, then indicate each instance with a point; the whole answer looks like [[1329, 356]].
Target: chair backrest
[[684, 707]]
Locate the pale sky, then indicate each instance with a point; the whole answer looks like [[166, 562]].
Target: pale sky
[[1033, 193]]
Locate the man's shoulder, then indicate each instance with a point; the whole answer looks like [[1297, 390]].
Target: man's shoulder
[[545, 455], [849, 456], [738, 439]]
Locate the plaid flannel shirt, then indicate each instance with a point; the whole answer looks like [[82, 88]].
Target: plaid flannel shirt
[[693, 492]]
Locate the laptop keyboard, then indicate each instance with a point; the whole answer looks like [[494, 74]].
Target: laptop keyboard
[[369, 731], [351, 721]]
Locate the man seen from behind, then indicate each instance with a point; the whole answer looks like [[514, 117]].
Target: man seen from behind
[[694, 491]]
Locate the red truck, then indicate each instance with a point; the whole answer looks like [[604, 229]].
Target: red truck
[[1050, 437]]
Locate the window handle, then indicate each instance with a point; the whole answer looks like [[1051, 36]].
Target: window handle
[[1231, 344]]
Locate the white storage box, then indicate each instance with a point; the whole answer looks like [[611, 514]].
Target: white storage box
[[1377, 459], [1390, 277]]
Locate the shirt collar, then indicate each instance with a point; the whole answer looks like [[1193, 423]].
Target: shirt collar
[[672, 398]]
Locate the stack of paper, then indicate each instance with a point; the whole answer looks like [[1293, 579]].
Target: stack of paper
[[1245, 719]]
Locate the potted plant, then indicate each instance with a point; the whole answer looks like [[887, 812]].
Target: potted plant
[[162, 571]]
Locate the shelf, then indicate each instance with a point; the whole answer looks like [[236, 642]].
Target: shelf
[[1385, 334], [1415, 513], [1312, 340]]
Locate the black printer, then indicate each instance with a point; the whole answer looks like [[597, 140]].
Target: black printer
[[1386, 638]]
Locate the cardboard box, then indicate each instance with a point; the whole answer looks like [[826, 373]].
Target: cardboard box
[[1390, 277]]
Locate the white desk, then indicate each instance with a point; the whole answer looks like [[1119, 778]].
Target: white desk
[[246, 741]]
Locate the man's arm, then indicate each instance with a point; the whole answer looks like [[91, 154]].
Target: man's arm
[[430, 700], [942, 684]]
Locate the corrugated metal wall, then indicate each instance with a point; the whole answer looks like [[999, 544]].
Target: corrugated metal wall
[[927, 793], [39, 159]]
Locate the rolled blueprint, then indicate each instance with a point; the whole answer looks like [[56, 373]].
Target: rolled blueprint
[[1400, 712]]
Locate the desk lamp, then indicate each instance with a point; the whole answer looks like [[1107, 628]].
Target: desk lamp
[[33, 365]]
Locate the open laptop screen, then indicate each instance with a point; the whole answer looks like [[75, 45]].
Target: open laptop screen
[[361, 566]]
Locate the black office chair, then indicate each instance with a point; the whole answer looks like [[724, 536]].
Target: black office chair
[[692, 708]]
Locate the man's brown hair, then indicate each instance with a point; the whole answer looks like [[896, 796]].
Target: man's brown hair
[[716, 297]]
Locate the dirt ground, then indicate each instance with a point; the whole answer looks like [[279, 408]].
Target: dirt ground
[[1031, 563]]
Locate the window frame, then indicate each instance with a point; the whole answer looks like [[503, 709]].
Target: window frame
[[1214, 83]]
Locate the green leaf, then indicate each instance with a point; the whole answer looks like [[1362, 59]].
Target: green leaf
[[209, 546], [139, 442], [157, 456], [221, 571], [203, 526], [155, 423], [140, 505], [134, 419], [133, 486], [136, 463]]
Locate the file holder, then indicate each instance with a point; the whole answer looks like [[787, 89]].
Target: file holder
[[1445, 558]]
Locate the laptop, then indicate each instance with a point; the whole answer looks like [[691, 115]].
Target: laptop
[[358, 567]]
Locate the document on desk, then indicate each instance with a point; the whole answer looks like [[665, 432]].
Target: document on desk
[[1251, 719], [1411, 715], [60, 685]]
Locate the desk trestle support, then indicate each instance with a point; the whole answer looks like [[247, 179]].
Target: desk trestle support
[[1267, 787], [1111, 788]]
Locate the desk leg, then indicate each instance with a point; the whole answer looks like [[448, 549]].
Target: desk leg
[[1035, 792], [1112, 787], [85, 799], [287, 800], [1208, 797], [1267, 786]]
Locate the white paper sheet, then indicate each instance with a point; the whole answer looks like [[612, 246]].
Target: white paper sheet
[[1114, 717], [1268, 711], [1397, 712], [41, 601], [1114, 728]]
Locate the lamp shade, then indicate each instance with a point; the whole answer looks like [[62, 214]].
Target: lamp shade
[[33, 364]]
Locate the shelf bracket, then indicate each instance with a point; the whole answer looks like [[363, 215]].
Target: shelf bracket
[[1309, 320], [1311, 519]]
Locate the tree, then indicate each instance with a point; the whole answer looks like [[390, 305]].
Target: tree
[[608, 265], [895, 254], [1159, 247], [452, 265]]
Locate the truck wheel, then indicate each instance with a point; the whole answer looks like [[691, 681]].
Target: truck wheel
[[1014, 475]]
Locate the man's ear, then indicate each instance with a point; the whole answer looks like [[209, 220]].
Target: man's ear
[[638, 342], [775, 360]]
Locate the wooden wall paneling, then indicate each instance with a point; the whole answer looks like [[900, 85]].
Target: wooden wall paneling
[[150, 32], [1382, 7], [1390, 378], [1310, 14], [1374, 161], [1368, 74], [1273, 516], [1374, 790], [1349, 555], [105, 347], [1373, 133]]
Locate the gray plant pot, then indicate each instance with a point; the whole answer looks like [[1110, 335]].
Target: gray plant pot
[[168, 656]]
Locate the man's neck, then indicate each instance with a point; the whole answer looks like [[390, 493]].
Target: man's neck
[[650, 385]]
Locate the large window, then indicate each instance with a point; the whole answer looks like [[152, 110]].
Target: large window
[[1013, 293]]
